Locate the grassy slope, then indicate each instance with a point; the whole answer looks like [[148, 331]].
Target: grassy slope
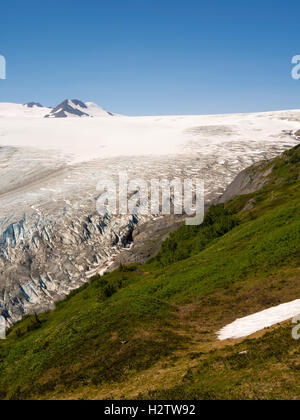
[[151, 332]]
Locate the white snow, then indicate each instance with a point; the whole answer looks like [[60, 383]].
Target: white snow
[[94, 110], [89, 138], [244, 327], [10, 110], [89, 110]]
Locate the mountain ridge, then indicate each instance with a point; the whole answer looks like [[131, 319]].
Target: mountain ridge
[[65, 109], [77, 108]]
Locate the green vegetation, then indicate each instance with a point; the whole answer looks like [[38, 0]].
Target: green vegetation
[[137, 331], [190, 240], [264, 368]]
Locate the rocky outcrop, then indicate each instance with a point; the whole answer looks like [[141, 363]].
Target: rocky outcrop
[[246, 182], [74, 107], [33, 104]]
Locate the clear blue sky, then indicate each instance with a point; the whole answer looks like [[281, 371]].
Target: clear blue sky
[[141, 57]]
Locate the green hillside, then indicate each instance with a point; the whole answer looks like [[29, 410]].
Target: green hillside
[[149, 331]]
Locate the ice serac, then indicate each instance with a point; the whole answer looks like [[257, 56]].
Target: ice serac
[[42, 259]]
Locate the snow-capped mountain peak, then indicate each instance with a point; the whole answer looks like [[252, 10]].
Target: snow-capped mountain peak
[[66, 109], [77, 108]]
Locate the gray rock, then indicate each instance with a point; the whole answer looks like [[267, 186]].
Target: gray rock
[[66, 107], [33, 104], [248, 181]]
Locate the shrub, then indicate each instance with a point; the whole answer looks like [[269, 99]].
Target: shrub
[[189, 240]]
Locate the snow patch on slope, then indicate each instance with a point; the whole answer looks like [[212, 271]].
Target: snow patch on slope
[[244, 327]]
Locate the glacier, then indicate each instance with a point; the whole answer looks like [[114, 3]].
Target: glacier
[[51, 236]]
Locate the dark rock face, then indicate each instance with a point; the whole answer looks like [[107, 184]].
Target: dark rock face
[[68, 107], [78, 103], [33, 104], [297, 134]]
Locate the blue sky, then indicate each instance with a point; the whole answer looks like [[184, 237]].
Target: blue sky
[[139, 57]]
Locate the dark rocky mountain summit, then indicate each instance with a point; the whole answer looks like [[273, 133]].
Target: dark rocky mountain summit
[[67, 107], [33, 104]]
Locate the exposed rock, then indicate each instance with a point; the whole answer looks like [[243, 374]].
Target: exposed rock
[[33, 104], [76, 108], [248, 181], [66, 108]]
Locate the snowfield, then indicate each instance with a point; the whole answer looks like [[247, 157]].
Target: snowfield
[[9, 110], [244, 327], [105, 136]]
